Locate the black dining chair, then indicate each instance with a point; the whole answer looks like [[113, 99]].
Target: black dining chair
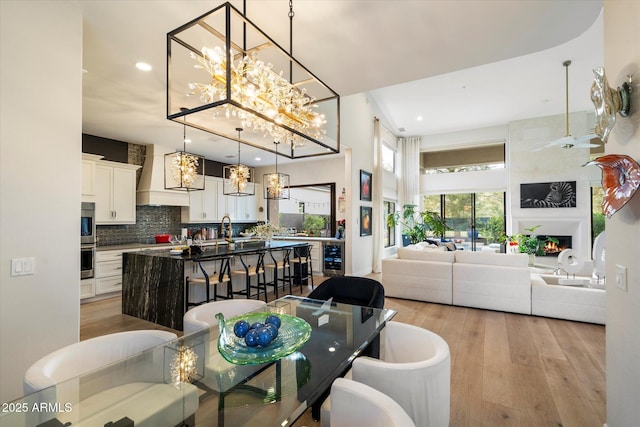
[[351, 290]]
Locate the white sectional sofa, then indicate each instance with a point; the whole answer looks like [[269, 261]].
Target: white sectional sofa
[[550, 299], [492, 281], [423, 275], [486, 280]]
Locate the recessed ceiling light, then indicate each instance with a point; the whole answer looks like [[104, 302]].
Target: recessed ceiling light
[[257, 159], [143, 66], [419, 118]]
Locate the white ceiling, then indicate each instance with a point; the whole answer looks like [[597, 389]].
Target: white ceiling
[[460, 64]]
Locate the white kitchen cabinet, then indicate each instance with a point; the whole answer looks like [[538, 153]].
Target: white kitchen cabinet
[[108, 271], [246, 207], [87, 288], [226, 204], [89, 176], [115, 189], [211, 204], [203, 205]]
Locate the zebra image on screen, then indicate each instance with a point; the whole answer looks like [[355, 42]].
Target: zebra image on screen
[[548, 195]]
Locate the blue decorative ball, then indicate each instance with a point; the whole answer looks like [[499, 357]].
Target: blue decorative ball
[[264, 337], [257, 325], [241, 328], [274, 320], [251, 339], [272, 329]]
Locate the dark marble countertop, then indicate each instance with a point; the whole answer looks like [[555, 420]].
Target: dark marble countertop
[[222, 250]]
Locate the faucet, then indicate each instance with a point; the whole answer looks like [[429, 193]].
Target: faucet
[[222, 228]]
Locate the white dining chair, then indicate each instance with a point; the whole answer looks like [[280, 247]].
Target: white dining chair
[[219, 374], [111, 376], [204, 316], [354, 404], [414, 369]]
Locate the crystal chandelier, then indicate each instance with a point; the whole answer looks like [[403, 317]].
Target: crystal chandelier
[[276, 185], [227, 72], [260, 89], [238, 178], [182, 170]]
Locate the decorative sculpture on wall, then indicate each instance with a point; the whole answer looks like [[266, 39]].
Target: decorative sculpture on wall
[[620, 180], [608, 102]]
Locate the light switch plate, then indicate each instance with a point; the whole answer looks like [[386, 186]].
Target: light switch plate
[[621, 277], [23, 266]]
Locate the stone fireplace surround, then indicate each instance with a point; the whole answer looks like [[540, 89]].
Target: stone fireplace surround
[[579, 231]]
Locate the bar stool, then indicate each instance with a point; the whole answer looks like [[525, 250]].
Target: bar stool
[[248, 272], [216, 278], [285, 265], [302, 266]]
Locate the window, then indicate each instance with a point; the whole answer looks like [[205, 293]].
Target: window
[[388, 159], [389, 232], [485, 157], [597, 217], [462, 211], [310, 209]]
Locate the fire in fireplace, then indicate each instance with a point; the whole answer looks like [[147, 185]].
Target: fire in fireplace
[[553, 249]]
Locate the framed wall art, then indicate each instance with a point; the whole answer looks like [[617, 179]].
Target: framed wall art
[[365, 220], [561, 194], [365, 186]]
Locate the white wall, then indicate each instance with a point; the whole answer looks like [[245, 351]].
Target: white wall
[[622, 57], [356, 127], [527, 164], [40, 173]]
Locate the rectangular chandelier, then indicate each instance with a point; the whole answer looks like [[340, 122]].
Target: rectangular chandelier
[[227, 73]]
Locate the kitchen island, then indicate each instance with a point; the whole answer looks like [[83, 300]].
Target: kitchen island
[[153, 281]]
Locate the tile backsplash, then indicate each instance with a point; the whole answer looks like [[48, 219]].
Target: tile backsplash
[[152, 220]]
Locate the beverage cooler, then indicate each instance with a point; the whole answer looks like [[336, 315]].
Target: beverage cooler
[[333, 258]]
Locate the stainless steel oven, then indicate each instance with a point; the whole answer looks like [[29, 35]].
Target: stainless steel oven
[[88, 223], [87, 240], [87, 261]]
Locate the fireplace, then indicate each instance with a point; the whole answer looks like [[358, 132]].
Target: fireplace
[[553, 249]]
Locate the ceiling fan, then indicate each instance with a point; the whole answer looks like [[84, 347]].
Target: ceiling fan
[[569, 141]]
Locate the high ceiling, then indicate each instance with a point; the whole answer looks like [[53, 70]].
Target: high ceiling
[[459, 64]]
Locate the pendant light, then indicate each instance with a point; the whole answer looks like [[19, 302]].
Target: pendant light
[[276, 185], [183, 171], [238, 178], [240, 80]]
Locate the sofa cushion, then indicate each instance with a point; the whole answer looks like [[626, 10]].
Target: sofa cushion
[[484, 258], [425, 254]]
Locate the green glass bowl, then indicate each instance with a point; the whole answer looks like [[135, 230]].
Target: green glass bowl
[[293, 333]]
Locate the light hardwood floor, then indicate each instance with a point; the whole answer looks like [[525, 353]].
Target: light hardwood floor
[[506, 369]]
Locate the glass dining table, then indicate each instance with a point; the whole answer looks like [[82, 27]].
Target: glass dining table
[[189, 379]]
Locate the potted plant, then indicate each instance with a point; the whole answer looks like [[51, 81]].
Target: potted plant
[[313, 224], [528, 243], [416, 225]]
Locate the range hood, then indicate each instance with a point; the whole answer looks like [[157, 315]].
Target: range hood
[[151, 189]]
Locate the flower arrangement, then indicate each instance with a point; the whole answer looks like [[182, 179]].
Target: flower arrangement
[[266, 231]]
